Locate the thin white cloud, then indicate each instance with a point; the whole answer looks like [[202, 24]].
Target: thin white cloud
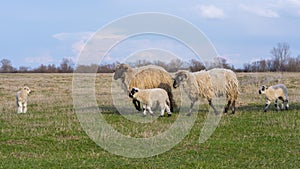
[[294, 2], [210, 11], [42, 59], [259, 11], [73, 36]]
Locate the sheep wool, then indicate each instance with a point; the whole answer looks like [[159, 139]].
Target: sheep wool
[[196, 85], [208, 84], [275, 92], [225, 83], [151, 97]]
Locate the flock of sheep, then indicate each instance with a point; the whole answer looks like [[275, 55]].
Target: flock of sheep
[[143, 86], [153, 85]]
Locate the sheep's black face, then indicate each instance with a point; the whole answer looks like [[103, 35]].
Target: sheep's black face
[[176, 83], [118, 74], [179, 78], [133, 91], [120, 70], [262, 90]]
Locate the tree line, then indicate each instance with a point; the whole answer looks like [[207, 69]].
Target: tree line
[[281, 61]]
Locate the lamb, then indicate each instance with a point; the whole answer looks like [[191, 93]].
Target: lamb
[[151, 97], [146, 77], [21, 98], [225, 83], [196, 85], [275, 92]]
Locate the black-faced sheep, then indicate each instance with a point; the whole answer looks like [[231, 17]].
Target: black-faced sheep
[[22, 98], [151, 97], [225, 83], [275, 92], [146, 77], [196, 85], [208, 84]]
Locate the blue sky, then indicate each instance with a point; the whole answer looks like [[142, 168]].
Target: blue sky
[[44, 32]]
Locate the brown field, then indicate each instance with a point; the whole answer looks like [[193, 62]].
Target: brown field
[[54, 89]]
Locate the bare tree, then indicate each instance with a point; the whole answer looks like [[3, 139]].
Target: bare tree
[[66, 66], [196, 65], [6, 66], [281, 53], [174, 65], [23, 69]]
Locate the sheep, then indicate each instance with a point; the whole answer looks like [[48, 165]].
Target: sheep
[[150, 97], [196, 85], [146, 77], [275, 92], [208, 84], [224, 82], [21, 98]]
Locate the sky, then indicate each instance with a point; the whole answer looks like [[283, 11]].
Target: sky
[[45, 32]]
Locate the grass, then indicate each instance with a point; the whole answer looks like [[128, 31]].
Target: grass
[[50, 135]]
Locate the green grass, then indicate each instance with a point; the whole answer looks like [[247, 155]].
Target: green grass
[[50, 136]]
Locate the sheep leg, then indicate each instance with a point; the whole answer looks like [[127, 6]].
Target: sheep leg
[[137, 104], [168, 110], [20, 107], [145, 110], [227, 106], [276, 105], [150, 111], [233, 107], [25, 107], [162, 113], [172, 102], [191, 108], [287, 104], [268, 102], [213, 107]]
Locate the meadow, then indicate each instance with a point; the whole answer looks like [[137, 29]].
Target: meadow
[[49, 135]]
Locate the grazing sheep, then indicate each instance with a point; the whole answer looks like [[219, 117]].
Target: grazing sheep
[[146, 77], [150, 97], [224, 82], [21, 98], [196, 85], [275, 92]]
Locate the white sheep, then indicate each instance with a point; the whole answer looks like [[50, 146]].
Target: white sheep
[[146, 77], [151, 97], [275, 92], [208, 84], [22, 98], [196, 85], [225, 83]]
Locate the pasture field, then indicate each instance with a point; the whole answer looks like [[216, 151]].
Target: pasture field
[[49, 135]]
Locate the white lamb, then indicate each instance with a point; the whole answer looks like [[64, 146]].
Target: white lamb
[[275, 92], [151, 97], [22, 98]]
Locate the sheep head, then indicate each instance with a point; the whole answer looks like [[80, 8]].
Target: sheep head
[[262, 89], [26, 90], [180, 77], [133, 91], [120, 70]]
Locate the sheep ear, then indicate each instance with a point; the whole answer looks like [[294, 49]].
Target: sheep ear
[[185, 76]]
